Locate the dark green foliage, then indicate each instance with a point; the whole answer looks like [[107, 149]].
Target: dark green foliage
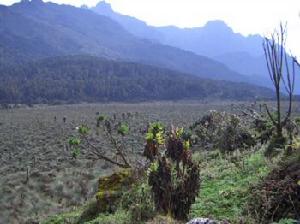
[[83, 78]]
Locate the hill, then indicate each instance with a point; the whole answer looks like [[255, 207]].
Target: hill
[[37, 30], [91, 79]]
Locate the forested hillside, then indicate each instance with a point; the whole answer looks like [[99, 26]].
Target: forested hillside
[[90, 79], [36, 30]]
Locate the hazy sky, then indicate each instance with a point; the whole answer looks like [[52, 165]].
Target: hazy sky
[[244, 16]]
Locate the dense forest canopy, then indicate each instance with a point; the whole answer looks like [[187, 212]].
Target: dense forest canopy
[[91, 79]]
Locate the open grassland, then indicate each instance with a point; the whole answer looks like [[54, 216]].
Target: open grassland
[[39, 177]]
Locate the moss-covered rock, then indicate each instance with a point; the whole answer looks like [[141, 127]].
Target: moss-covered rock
[[111, 189]]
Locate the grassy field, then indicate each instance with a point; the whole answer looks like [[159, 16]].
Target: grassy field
[[225, 184], [39, 177], [34, 147]]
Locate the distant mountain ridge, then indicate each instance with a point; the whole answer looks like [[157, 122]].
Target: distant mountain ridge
[[215, 40], [133, 25], [36, 30], [201, 40]]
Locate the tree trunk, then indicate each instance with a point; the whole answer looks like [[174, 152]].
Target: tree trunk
[[278, 126]]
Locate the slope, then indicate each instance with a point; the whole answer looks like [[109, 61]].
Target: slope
[[37, 30], [215, 39], [93, 79]]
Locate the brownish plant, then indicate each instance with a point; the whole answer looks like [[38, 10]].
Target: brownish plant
[[278, 195], [173, 176]]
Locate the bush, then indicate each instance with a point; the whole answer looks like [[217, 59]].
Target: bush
[[224, 131], [278, 195], [275, 145], [173, 176], [139, 202]]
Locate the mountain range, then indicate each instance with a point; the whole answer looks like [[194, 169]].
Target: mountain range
[[37, 30], [200, 40], [34, 31], [216, 40]]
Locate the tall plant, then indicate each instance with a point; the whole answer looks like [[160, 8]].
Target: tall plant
[[173, 176], [112, 133], [281, 68]]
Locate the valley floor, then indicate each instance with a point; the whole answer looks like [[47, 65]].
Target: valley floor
[[39, 177]]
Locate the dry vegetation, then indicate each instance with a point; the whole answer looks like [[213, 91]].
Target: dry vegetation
[[39, 177]]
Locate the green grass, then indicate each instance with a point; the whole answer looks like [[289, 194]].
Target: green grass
[[120, 217], [224, 191], [287, 221], [64, 218], [225, 184]]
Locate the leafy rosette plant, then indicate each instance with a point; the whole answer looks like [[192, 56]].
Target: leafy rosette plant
[[173, 176], [154, 139]]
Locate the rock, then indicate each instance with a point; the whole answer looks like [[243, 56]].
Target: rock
[[202, 221], [111, 189]]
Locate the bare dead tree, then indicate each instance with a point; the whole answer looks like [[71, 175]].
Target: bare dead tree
[[279, 65]]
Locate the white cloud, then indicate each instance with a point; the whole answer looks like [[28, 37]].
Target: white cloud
[[244, 16]]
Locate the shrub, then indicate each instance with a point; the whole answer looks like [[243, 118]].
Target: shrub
[[278, 195], [173, 176], [276, 144], [139, 202], [224, 131]]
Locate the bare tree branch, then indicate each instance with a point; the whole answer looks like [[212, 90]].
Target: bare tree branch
[[101, 155], [277, 62], [270, 115]]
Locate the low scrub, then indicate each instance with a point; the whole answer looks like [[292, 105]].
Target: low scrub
[[224, 131], [278, 195]]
